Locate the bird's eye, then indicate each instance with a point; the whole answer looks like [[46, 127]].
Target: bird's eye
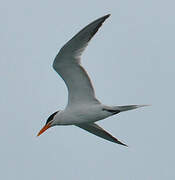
[[51, 117]]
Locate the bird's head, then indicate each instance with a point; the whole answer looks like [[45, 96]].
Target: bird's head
[[49, 123]]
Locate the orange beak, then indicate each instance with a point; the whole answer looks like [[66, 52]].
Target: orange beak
[[47, 126]]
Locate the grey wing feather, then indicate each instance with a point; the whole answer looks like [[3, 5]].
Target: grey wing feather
[[98, 131], [79, 42], [67, 65]]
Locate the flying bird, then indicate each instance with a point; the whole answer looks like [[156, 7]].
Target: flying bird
[[83, 108]]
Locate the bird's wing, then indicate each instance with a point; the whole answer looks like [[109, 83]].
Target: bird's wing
[[67, 65], [98, 131]]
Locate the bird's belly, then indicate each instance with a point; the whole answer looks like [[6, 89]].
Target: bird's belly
[[84, 115], [81, 119]]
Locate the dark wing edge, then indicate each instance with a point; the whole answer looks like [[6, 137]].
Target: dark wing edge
[[79, 42], [100, 132]]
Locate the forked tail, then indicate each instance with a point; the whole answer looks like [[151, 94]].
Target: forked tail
[[128, 107], [118, 109]]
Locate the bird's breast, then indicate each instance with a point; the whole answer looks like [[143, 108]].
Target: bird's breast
[[83, 114]]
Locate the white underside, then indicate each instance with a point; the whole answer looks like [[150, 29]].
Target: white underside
[[83, 108], [81, 114]]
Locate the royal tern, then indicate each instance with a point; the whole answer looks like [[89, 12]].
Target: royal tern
[[83, 108]]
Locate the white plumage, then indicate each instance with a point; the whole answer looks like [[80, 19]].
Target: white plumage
[[83, 108]]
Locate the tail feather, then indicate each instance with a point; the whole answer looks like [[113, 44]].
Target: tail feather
[[128, 107]]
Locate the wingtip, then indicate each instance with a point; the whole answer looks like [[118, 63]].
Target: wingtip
[[124, 144], [107, 15]]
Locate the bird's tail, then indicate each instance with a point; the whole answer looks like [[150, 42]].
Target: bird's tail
[[128, 107]]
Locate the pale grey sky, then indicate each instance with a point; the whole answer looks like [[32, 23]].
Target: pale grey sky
[[131, 60]]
